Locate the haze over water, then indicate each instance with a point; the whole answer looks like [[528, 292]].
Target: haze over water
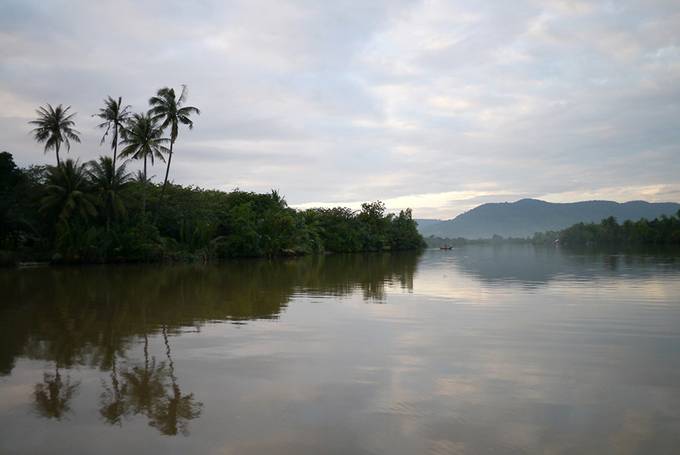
[[505, 349]]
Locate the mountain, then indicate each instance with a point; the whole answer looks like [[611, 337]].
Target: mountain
[[525, 217], [424, 224]]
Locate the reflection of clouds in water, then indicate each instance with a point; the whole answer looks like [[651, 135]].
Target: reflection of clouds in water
[[14, 395], [544, 369], [490, 274], [634, 428], [631, 289], [452, 386], [466, 379]]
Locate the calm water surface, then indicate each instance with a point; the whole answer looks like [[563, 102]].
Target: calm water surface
[[476, 350]]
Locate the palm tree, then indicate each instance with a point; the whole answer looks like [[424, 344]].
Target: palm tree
[[68, 193], [110, 183], [114, 115], [142, 140], [170, 110], [54, 127]]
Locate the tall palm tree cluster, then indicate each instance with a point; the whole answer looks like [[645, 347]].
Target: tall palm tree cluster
[[76, 191], [98, 212]]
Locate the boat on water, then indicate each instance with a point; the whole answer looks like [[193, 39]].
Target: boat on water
[[445, 247]]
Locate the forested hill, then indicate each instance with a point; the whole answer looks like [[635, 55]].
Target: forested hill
[[525, 217]]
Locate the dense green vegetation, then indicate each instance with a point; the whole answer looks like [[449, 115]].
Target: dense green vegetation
[[98, 212], [664, 230], [93, 213]]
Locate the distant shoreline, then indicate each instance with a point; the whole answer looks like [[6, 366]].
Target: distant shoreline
[[659, 232]]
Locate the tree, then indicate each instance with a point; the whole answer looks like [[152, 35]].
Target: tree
[[143, 140], [68, 194], [10, 177], [375, 225], [54, 127], [110, 184], [404, 232], [115, 115], [170, 110]]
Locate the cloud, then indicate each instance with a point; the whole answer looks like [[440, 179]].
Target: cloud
[[409, 102]]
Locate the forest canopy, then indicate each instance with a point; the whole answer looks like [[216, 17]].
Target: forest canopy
[[664, 230]]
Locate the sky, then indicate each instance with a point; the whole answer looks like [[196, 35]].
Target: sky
[[434, 105]]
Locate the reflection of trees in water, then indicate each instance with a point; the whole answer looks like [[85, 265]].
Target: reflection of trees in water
[[151, 390], [173, 411], [340, 275], [93, 316], [53, 395], [112, 398], [144, 384], [531, 265], [90, 315]]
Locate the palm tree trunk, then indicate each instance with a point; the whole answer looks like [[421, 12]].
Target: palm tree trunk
[[144, 191], [115, 147], [165, 181], [56, 148]]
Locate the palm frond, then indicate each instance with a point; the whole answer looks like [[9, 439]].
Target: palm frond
[[183, 95], [54, 126]]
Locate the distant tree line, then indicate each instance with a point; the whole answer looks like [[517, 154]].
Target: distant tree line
[[434, 241], [99, 212], [664, 230]]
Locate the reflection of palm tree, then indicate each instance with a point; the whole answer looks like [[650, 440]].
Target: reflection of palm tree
[[145, 386], [53, 395], [112, 398], [172, 414]]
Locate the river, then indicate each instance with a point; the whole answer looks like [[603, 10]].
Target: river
[[481, 349]]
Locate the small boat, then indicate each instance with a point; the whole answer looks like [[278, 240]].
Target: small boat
[[445, 247], [26, 265]]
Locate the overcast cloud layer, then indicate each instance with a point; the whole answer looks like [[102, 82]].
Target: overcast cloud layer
[[434, 105]]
